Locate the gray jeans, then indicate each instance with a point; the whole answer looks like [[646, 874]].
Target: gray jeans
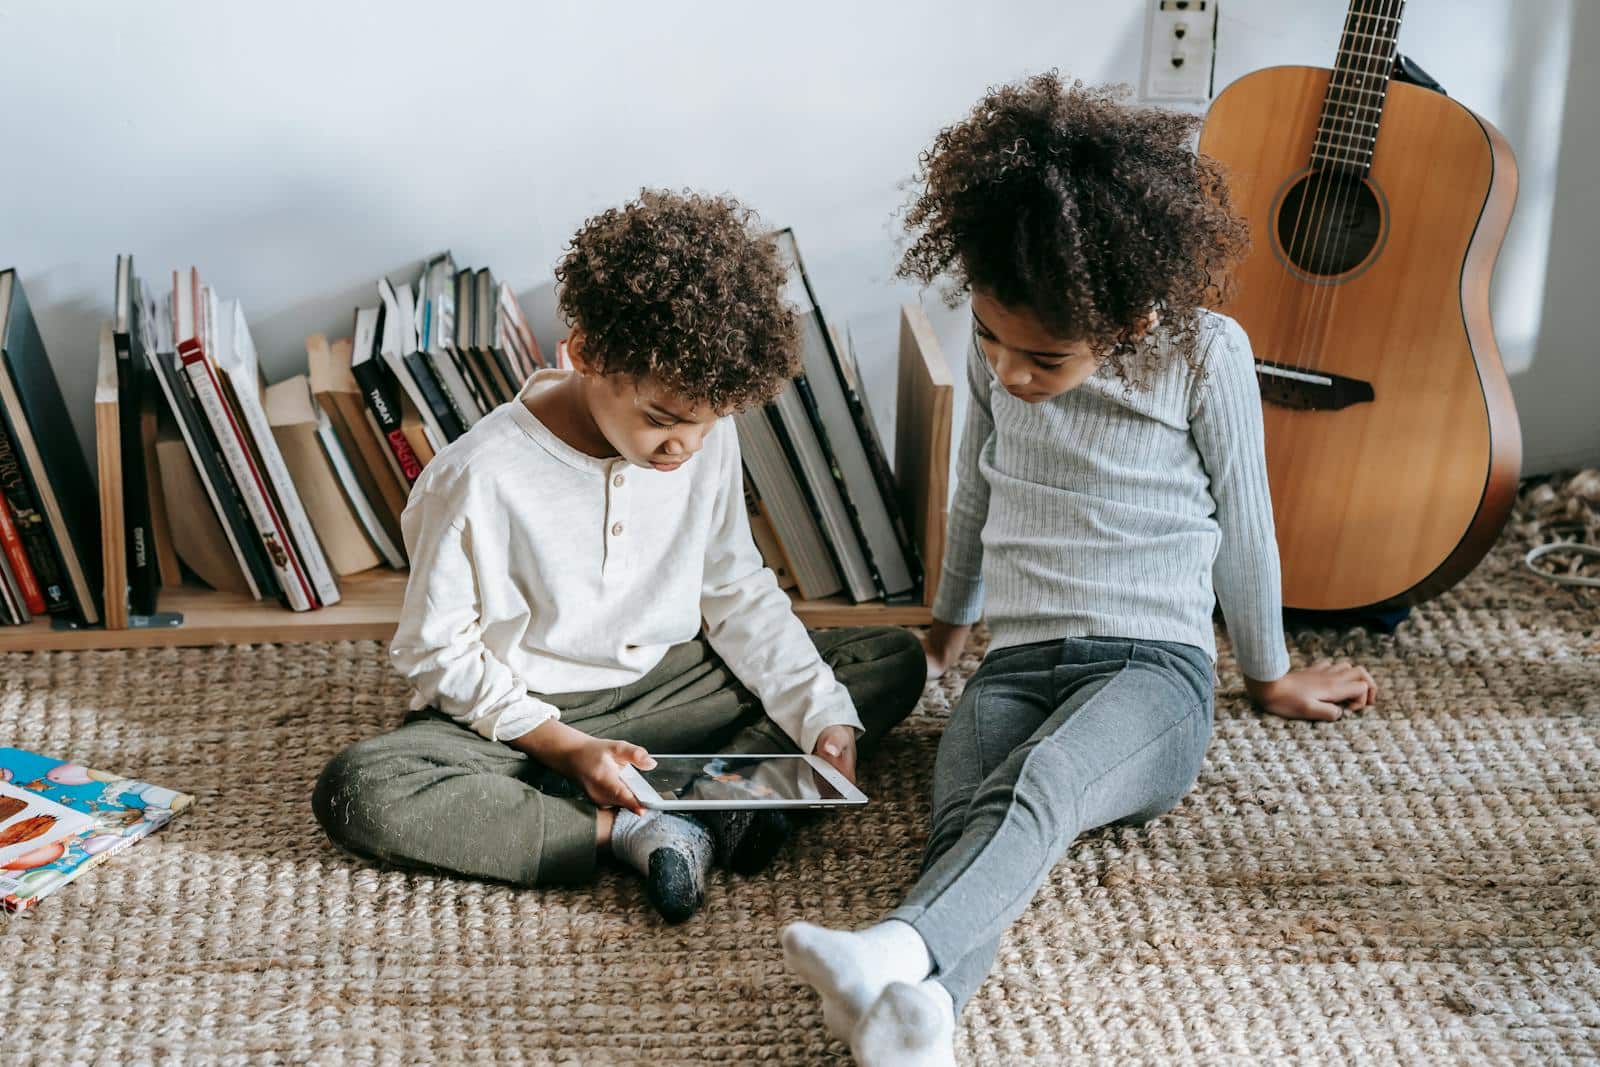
[[1048, 740]]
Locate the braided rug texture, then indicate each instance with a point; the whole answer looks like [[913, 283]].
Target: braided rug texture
[[1416, 884]]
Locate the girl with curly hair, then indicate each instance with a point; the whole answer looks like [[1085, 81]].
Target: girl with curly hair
[[564, 553], [1112, 489]]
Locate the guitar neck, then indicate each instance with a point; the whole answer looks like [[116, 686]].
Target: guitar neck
[[1353, 106]]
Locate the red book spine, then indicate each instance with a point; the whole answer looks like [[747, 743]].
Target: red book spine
[[11, 544], [410, 465]]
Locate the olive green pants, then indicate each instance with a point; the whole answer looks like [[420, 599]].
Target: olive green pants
[[436, 796]]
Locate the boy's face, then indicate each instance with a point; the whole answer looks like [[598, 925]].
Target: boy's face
[[648, 426], [1028, 362]]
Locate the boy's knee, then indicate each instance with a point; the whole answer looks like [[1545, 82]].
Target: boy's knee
[[343, 793], [885, 665]]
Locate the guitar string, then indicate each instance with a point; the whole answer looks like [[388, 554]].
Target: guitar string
[[1333, 200], [1318, 175], [1285, 284], [1375, 71]]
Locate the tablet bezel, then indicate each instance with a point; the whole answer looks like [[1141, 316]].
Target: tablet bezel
[[849, 795]]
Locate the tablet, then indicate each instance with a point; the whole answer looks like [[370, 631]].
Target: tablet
[[723, 783]]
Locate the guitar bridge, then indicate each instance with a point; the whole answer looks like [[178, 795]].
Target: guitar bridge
[[1309, 390]]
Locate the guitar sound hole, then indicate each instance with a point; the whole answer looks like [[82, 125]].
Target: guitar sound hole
[[1328, 224]]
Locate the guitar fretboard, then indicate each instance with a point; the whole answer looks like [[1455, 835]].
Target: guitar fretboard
[[1348, 129]]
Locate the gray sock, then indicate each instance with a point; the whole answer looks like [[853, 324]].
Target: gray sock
[[671, 852], [746, 840]]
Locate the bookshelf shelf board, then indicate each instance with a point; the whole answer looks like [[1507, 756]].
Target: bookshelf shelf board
[[367, 612]]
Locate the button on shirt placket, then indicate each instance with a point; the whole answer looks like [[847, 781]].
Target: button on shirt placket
[[619, 491]]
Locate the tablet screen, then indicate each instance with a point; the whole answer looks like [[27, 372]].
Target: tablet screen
[[753, 778]]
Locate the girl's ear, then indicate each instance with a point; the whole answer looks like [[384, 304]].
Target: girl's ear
[[1144, 325], [574, 348]]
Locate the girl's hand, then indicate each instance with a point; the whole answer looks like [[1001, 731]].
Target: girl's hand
[[837, 747], [1323, 691], [943, 645]]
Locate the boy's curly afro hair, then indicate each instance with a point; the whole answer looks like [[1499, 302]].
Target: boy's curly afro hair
[[680, 287], [1085, 211]]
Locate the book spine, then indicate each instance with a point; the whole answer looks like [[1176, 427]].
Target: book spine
[[136, 535], [803, 387], [39, 426], [274, 539], [289, 505], [212, 470], [433, 394], [31, 529], [882, 473], [807, 494], [21, 569], [364, 509], [386, 412]]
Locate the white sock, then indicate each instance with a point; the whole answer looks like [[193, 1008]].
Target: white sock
[[851, 970], [908, 1026]]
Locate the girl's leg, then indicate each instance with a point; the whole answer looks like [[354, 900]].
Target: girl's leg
[[1124, 739], [1126, 742], [1003, 704]]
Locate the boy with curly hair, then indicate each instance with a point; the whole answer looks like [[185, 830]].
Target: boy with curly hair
[[564, 553], [1112, 489]]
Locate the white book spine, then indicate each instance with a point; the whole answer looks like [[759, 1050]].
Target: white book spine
[[157, 352], [274, 540], [440, 345], [240, 366], [256, 504], [397, 316]]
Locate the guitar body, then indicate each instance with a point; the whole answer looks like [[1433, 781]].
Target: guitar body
[[1397, 494]]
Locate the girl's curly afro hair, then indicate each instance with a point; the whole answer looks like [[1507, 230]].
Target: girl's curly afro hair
[[1085, 211], [681, 288]]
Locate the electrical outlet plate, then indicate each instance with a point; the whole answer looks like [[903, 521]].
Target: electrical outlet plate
[[1179, 50]]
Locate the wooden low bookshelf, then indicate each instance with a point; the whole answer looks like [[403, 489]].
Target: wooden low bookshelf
[[370, 602]]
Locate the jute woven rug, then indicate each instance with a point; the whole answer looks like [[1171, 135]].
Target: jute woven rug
[[1420, 883]]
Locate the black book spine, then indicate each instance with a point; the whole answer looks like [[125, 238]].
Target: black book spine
[[63, 485], [882, 473], [137, 544], [381, 397], [444, 411], [809, 400], [791, 454], [213, 469], [31, 528]]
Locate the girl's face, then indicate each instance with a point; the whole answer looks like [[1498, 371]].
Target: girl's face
[[1027, 361]]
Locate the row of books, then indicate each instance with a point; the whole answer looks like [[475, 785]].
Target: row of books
[[279, 491], [271, 491], [821, 494]]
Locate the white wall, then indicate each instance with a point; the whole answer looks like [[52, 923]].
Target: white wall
[[294, 151]]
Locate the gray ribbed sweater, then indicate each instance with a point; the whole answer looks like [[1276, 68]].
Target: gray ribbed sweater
[[1120, 513]]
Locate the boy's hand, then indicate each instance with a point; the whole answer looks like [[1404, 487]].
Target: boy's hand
[[1323, 691], [595, 763], [837, 747], [943, 645]]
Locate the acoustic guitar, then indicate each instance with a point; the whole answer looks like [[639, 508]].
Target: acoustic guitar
[[1376, 211]]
